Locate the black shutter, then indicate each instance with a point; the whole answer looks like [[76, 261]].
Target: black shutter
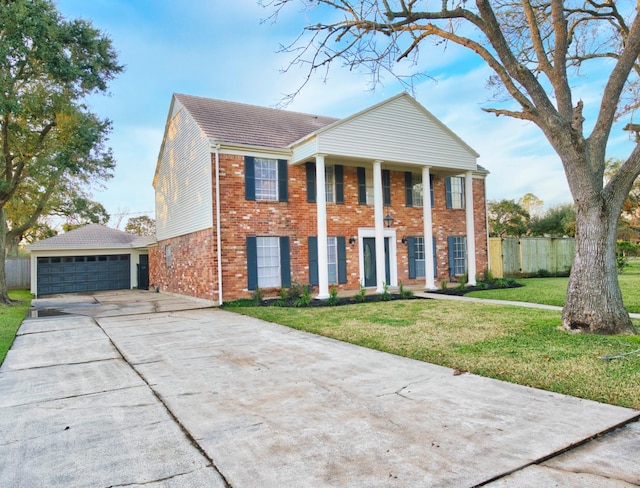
[[411, 245], [386, 187], [451, 243], [285, 263], [430, 190], [311, 182], [339, 175], [435, 260], [283, 181], [312, 243], [447, 184], [341, 241], [249, 178], [362, 187], [252, 263], [408, 188]]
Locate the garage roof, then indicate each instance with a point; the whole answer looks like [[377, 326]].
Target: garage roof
[[92, 236]]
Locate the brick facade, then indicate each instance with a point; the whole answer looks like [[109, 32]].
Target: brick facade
[[193, 269]]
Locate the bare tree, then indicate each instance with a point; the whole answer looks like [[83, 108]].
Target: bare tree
[[535, 48]]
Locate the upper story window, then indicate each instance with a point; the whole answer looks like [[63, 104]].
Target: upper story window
[[333, 183], [330, 184], [455, 192], [366, 190], [266, 178], [414, 189]]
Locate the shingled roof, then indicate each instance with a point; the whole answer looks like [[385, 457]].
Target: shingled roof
[[239, 123], [92, 236]]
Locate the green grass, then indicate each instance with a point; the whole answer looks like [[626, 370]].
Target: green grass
[[10, 319], [552, 291], [504, 342]]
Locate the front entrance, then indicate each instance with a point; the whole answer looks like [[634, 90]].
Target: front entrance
[[369, 257]]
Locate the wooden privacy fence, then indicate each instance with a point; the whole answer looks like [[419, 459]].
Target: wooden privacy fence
[[530, 256], [18, 271]]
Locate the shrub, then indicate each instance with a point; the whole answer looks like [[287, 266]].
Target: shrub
[[333, 295], [488, 276], [362, 292], [405, 293], [542, 273], [305, 298], [257, 296], [444, 284], [385, 295], [296, 290]]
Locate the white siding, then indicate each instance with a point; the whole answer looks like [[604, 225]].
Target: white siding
[[183, 181], [398, 131], [305, 151]]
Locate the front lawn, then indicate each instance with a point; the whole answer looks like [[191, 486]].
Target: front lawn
[[504, 342], [552, 291], [10, 319]]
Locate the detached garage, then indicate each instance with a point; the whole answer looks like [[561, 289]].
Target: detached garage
[[90, 258]]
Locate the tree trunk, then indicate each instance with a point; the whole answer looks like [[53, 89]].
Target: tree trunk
[[594, 301], [4, 293]]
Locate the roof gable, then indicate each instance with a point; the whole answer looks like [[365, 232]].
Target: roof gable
[[398, 130], [92, 236]]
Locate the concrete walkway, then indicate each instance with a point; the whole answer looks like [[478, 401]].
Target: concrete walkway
[[144, 389]]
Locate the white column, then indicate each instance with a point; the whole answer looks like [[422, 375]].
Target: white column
[[378, 211], [471, 231], [321, 207], [428, 229]]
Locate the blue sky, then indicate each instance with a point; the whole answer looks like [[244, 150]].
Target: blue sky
[[222, 49]]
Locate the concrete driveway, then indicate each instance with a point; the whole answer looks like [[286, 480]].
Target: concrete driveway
[[144, 389]]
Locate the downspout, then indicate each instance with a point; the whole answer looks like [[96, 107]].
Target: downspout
[[218, 238]]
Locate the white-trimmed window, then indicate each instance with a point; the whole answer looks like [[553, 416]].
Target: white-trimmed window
[[330, 184], [266, 179], [268, 254], [167, 255], [332, 259], [455, 192], [458, 255], [418, 250], [369, 186], [417, 190]]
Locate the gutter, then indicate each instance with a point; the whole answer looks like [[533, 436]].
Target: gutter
[[218, 237]]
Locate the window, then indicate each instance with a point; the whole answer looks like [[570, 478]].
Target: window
[[334, 183], [332, 259], [336, 260], [268, 262], [418, 251], [457, 255], [330, 184], [416, 189], [266, 179], [268, 259], [365, 186], [455, 192], [167, 255]]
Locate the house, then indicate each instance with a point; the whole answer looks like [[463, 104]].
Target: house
[[251, 197], [89, 258]]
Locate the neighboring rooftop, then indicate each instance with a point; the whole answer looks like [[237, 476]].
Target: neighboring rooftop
[[92, 236], [239, 123]]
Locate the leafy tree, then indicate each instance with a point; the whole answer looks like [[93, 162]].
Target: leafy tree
[[48, 136], [507, 218], [536, 50], [142, 225], [558, 221], [531, 203]]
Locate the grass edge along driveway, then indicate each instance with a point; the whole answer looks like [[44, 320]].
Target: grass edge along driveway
[[10, 319], [514, 344]]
